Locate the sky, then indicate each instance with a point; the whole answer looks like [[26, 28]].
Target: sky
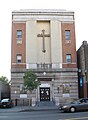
[[80, 7]]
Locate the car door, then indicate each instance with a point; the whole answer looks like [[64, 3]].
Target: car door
[[80, 106], [86, 104]]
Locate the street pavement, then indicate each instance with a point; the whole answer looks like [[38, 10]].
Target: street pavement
[[28, 108]]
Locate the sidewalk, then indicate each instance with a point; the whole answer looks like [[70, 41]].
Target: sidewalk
[[28, 108]]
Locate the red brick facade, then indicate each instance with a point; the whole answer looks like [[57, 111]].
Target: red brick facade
[[16, 47], [69, 48]]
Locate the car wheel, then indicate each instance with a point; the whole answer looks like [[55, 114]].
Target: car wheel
[[72, 109], [4, 106]]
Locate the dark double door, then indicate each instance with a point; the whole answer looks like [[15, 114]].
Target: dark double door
[[45, 94]]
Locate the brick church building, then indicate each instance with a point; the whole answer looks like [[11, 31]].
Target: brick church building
[[44, 41]]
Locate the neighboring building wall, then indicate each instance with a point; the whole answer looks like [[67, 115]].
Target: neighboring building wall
[[4, 90], [82, 58]]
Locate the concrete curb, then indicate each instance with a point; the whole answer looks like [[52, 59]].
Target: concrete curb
[[29, 110]]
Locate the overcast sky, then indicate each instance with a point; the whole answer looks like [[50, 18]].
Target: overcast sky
[[80, 7]]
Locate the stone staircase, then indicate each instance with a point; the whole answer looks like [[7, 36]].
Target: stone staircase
[[45, 104]]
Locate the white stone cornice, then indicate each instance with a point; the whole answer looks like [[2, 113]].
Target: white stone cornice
[[42, 17], [42, 11], [42, 14]]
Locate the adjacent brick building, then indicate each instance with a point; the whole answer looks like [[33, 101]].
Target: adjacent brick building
[[82, 57], [4, 90], [44, 41]]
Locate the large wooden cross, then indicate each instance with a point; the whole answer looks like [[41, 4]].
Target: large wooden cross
[[43, 35]]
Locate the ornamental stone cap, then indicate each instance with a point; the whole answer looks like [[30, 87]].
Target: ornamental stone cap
[[42, 11], [42, 14]]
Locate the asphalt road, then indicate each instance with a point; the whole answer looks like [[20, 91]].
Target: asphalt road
[[43, 115]]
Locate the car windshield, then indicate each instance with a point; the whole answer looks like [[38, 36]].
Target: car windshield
[[75, 102], [5, 100]]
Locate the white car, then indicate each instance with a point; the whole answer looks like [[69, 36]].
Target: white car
[[6, 103]]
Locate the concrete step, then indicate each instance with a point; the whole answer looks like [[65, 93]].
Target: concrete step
[[45, 103]]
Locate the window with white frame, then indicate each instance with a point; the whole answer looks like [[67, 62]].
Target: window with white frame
[[19, 36], [22, 89], [66, 88], [19, 58], [67, 35], [68, 58]]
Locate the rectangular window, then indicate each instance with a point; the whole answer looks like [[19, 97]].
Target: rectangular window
[[67, 35], [66, 88], [68, 58], [22, 89], [19, 58], [19, 34]]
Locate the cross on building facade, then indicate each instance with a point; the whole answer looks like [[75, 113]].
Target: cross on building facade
[[43, 35]]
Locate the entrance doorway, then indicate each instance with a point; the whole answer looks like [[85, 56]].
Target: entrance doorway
[[44, 94]]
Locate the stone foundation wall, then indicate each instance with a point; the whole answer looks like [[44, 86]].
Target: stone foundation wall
[[60, 79]]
